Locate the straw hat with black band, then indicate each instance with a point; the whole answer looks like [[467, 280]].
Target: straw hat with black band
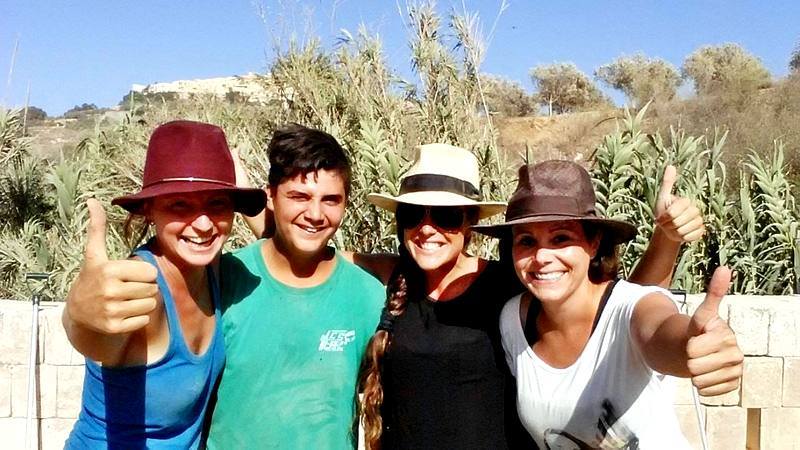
[[441, 175]]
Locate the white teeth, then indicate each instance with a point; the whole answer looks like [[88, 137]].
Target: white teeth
[[198, 240], [548, 276], [430, 245], [310, 229]]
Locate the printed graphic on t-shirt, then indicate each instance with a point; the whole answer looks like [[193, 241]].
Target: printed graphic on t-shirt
[[610, 435], [336, 340]]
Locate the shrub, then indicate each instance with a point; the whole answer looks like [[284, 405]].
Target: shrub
[[563, 88]]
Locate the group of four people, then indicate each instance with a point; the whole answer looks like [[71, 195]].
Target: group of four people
[[291, 341]]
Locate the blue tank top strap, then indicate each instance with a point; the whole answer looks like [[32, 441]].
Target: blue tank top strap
[[175, 334]]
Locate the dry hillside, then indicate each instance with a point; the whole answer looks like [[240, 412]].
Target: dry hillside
[[571, 136]]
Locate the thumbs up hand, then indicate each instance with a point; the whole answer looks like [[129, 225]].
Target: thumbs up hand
[[678, 217], [110, 297], [714, 358]]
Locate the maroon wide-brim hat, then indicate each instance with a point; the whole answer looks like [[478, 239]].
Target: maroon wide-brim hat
[[185, 156], [554, 191]]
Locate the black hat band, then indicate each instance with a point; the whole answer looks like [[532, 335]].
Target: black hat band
[[443, 183]]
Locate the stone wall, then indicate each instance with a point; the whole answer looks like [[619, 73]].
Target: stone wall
[[763, 414], [59, 379]]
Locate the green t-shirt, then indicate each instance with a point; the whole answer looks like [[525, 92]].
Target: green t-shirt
[[292, 355]]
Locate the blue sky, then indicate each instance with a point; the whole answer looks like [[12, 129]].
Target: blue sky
[[73, 52]]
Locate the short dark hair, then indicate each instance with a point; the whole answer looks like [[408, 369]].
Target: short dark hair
[[298, 150]]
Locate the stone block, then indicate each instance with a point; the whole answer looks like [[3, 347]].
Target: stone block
[[55, 346], [12, 433], [791, 382], [779, 428], [45, 391], [762, 382], [687, 419], [48, 376], [15, 333], [726, 427], [55, 432], [5, 391], [19, 390], [784, 329], [750, 322], [69, 388], [683, 392]]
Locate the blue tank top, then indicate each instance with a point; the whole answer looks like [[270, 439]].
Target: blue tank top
[[155, 406]]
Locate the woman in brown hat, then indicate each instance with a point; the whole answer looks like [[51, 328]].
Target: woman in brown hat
[[589, 352], [434, 373], [151, 362]]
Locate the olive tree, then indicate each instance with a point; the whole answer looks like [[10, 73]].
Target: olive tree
[[506, 97], [563, 88], [640, 78], [725, 68]]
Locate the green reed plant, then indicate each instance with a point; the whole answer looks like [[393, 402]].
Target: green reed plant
[[351, 92]]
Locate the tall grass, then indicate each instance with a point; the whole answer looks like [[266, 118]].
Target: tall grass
[[752, 227], [352, 93]]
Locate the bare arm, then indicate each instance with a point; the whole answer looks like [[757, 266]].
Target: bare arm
[[380, 265], [678, 220], [655, 266], [661, 333], [109, 300], [262, 224], [702, 346]]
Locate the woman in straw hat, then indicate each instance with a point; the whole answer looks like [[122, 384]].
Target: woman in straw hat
[[151, 362], [434, 374], [589, 352]]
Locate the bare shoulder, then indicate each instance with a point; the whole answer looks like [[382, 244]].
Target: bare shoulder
[[650, 312], [655, 301]]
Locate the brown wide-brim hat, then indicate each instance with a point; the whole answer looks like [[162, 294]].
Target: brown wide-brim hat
[[441, 175], [185, 156], [554, 191]]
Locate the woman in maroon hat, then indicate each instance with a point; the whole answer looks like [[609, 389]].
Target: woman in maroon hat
[[589, 351], [151, 362]]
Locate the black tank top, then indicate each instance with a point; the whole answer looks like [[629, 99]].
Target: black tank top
[[446, 381]]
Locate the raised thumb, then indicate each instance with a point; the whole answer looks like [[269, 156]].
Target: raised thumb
[[665, 190], [709, 309], [95, 251]]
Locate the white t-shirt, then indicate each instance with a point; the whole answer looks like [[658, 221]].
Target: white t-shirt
[[609, 398]]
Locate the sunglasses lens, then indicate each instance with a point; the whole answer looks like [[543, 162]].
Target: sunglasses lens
[[447, 217], [409, 216]]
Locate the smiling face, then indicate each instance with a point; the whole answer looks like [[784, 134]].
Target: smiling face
[[192, 227], [434, 247], [308, 210], [552, 258]]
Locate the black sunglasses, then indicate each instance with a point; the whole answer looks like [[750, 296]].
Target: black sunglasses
[[444, 217]]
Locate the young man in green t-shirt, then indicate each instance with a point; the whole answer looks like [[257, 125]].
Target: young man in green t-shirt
[[297, 315]]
